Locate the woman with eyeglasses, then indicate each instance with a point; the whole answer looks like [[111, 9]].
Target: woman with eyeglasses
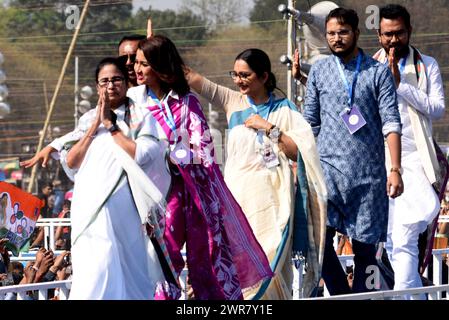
[[266, 133], [223, 256], [115, 205]]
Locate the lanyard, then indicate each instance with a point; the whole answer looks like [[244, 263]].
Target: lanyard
[[254, 107], [350, 88], [168, 116], [402, 65]]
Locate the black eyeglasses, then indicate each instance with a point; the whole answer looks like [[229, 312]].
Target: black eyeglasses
[[124, 58], [242, 75], [401, 34], [114, 80], [342, 34]]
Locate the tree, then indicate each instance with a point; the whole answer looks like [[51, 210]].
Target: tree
[[181, 26], [266, 10]]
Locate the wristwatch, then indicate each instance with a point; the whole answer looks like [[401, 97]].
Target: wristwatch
[[114, 128], [274, 133], [398, 170]]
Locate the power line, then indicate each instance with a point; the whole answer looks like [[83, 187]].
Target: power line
[[52, 7], [133, 31]]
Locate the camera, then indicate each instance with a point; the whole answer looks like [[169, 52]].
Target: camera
[[67, 259]]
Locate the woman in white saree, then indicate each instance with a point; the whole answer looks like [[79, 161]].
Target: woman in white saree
[[111, 255]]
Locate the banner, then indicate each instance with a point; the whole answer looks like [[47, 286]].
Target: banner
[[19, 211]]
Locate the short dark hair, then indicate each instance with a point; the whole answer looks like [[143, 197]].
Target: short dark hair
[[47, 184], [344, 16], [67, 203], [113, 61], [393, 12], [132, 37]]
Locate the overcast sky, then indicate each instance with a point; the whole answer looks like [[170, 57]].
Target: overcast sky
[[157, 4], [164, 4]]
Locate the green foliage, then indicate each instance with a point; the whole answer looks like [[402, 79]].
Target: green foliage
[[266, 10], [182, 26]]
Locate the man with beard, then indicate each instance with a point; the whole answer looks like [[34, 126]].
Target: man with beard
[[351, 105], [421, 100]]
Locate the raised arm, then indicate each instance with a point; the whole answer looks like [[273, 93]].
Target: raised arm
[[194, 79], [296, 69], [41, 156]]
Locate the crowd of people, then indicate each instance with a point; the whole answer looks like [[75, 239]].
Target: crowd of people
[[359, 161]]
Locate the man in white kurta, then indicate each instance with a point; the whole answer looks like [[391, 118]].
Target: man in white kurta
[[421, 100]]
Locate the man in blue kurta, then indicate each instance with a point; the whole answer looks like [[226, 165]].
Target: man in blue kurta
[[351, 105]]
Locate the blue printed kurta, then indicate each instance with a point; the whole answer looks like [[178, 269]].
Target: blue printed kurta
[[353, 165]]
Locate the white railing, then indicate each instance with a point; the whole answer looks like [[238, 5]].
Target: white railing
[[437, 276], [50, 225], [42, 288], [433, 292]]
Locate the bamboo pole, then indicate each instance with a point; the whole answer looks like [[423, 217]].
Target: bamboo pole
[[58, 87]]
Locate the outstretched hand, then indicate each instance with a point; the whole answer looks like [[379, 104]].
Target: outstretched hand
[[42, 156]]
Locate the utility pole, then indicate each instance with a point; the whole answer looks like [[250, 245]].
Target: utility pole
[[291, 38], [75, 114], [58, 88]]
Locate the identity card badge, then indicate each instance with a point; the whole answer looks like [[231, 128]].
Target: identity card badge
[[269, 156], [180, 154], [353, 119]]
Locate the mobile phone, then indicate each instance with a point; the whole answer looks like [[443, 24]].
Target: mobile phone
[[68, 259]]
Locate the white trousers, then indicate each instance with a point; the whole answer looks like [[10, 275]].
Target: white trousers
[[402, 249], [409, 215]]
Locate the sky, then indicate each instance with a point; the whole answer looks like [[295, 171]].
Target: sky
[[160, 4], [157, 4]]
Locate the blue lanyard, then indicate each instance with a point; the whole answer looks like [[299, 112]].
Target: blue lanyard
[[168, 116], [402, 65], [350, 88], [254, 107]]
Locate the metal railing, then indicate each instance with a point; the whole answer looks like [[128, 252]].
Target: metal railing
[[433, 293], [50, 225], [42, 288]]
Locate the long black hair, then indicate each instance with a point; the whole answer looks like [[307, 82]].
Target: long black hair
[[260, 63], [165, 60]]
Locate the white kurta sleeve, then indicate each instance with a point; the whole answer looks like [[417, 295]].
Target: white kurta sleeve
[[432, 103], [147, 144]]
